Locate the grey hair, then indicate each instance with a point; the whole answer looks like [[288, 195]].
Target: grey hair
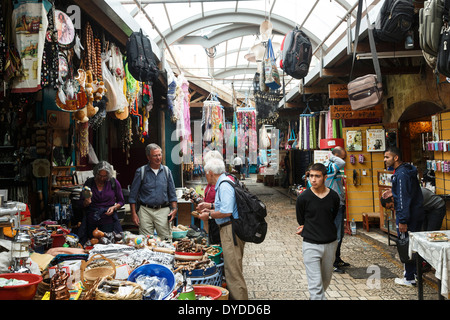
[[150, 147], [212, 154], [105, 166], [215, 165]]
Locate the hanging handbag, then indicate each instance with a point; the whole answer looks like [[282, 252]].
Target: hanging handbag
[[291, 141], [270, 69], [366, 91], [403, 248]]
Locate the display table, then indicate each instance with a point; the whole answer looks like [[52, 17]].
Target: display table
[[437, 254]]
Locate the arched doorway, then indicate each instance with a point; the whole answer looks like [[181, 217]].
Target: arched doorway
[[415, 130]]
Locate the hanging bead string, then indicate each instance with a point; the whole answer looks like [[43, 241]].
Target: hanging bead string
[[93, 57]]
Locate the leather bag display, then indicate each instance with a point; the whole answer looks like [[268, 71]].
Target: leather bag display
[[366, 91]]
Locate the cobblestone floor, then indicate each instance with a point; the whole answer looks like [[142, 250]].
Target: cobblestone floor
[[274, 270]]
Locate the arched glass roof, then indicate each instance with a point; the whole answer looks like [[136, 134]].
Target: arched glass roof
[[209, 39]]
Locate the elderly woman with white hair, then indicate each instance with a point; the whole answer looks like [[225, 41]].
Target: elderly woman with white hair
[[209, 198], [101, 207], [224, 207]]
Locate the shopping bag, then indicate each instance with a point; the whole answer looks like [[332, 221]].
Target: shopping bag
[[403, 249], [270, 69]]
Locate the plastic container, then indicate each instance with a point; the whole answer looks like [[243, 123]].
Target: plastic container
[[58, 240], [188, 256], [179, 234], [217, 257], [200, 272], [156, 270], [353, 227], [207, 291], [22, 292]]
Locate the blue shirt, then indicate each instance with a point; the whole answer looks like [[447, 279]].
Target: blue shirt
[[154, 189], [225, 201]]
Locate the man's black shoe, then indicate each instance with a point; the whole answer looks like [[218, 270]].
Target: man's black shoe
[[337, 270]]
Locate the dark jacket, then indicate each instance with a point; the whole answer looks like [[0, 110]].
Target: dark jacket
[[408, 198]]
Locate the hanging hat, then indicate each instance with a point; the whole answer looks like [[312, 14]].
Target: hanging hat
[[41, 168], [111, 105], [265, 29]]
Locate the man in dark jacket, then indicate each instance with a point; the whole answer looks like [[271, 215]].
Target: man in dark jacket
[[408, 203]]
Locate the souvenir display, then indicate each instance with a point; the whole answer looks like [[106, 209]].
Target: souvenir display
[[64, 28], [29, 21], [247, 132]]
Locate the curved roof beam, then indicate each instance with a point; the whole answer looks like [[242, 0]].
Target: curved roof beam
[[209, 42], [234, 71], [192, 24]]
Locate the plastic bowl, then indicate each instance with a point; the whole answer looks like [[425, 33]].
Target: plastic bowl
[[217, 257], [206, 291], [154, 270], [200, 272], [21, 292], [179, 234], [188, 256]]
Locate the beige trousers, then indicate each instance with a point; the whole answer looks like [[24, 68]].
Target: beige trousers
[[151, 219], [232, 257]]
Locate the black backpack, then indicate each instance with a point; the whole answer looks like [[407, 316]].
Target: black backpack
[[140, 59], [296, 54], [251, 225], [443, 58], [394, 20]]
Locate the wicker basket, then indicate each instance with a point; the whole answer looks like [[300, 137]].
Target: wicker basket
[[135, 294], [88, 276]]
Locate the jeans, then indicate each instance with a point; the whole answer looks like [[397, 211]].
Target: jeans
[[410, 268], [339, 222]]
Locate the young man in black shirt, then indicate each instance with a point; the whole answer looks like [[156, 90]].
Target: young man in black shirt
[[316, 210]]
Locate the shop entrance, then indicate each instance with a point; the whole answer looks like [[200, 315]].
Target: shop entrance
[[415, 130]]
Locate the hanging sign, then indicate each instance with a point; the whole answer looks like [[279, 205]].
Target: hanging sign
[[346, 112], [337, 91]]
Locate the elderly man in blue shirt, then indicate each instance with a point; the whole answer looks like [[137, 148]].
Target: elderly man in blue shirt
[[225, 207], [153, 189]]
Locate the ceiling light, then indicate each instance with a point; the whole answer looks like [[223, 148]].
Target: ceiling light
[[250, 56], [258, 50]]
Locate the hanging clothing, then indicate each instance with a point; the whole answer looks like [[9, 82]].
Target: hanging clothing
[[29, 28]]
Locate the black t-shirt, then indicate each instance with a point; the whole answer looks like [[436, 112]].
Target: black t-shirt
[[317, 216]]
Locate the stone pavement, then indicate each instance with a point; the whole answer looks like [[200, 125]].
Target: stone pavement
[[274, 270]]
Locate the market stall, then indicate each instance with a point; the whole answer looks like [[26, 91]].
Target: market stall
[[110, 266]]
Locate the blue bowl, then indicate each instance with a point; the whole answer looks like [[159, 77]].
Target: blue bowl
[[155, 270]]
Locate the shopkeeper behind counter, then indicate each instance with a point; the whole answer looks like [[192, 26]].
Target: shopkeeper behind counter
[[100, 209]]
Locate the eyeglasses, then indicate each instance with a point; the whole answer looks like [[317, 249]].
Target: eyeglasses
[[102, 175]]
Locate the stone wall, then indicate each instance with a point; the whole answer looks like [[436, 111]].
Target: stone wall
[[408, 89]]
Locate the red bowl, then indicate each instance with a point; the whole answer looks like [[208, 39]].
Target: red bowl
[[21, 292], [188, 255], [206, 291]]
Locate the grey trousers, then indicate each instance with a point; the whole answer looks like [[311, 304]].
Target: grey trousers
[[318, 260]]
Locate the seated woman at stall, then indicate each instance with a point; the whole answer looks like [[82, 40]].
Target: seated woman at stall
[[101, 206]]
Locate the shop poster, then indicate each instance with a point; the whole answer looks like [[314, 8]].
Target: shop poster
[[435, 127], [320, 156], [376, 140], [354, 140], [29, 24]]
